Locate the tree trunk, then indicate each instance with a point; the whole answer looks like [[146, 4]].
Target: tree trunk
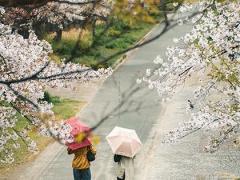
[[58, 36]]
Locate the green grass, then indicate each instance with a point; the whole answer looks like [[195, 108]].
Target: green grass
[[67, 108], [117, 38]]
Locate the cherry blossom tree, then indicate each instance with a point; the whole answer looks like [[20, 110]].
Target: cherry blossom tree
[[210, 54], [26, 70]]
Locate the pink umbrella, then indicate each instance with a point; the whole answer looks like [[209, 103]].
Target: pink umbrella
[[77, 128], [124, 141]]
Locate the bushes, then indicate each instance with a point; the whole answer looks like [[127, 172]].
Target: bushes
[[119, 44], [113, 32], [51, 99], [93, 53]]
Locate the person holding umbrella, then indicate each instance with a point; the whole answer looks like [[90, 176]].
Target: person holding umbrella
[[125, 167], [125, 144], [82, 149], [81, 162]]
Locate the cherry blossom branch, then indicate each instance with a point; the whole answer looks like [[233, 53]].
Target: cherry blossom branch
[[197, 129], [210, 46], [185, 71], [33, 4], [217, 142], [31, 77], [20, 112], [22, 97]]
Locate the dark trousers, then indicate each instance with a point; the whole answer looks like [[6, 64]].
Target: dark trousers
[[82, 174], [121, 178]]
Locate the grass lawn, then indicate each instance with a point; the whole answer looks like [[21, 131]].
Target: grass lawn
[[113, 41], [67, 108], [63, 109]]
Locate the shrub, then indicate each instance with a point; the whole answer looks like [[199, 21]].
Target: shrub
[[51, 99]]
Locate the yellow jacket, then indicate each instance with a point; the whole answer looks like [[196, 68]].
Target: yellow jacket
[[80, 160]]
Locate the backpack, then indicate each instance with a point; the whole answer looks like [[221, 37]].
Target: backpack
[[90, 155]]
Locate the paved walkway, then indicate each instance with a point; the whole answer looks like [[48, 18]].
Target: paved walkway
[[109, 96]]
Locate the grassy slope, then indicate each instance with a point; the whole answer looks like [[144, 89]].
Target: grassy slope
[[107, 45]]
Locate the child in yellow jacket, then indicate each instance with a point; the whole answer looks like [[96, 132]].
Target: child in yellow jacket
[[81, 162]]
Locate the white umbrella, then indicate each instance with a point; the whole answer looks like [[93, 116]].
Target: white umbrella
[[124, 141]]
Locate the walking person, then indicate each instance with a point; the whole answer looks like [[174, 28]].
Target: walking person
[[81, 147], [125, 167], [125, 144], [81, 162]]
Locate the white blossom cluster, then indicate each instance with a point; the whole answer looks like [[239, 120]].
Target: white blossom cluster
[[7, 121], [210, 54], [25, 71], [63, 13], [25, 64], [59, 130], [54, 16]]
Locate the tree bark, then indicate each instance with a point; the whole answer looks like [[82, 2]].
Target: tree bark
[[58, 36]]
